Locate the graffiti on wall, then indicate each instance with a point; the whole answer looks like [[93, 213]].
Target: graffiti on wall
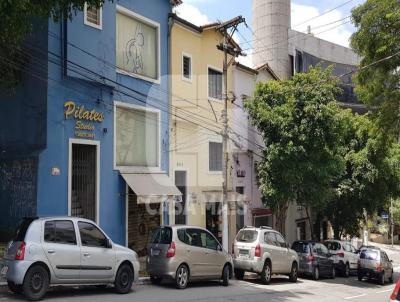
[[18, 183]]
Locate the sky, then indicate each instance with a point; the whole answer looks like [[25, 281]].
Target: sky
[[333, 26]]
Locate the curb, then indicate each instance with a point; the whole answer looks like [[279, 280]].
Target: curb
[[140, 281]]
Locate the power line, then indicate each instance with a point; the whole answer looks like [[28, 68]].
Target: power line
[[325, 13]]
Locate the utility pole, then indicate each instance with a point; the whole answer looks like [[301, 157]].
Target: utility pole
[[227, 29]]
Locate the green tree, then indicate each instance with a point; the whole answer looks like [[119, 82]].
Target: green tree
[[378, 37], [298, 121], [16, 19], [370, 178]]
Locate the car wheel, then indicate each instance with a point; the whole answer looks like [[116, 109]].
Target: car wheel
[[155, 280], [266, 273], [182, 276], [293, 273], [124, 279], [36, 283], [333, 272], [239, 274], [16, 289], [316, 273], [381, 279], [225, 275], [391, 277], [347, 271]]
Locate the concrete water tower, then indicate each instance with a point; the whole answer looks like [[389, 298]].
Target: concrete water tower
[[271, 23]]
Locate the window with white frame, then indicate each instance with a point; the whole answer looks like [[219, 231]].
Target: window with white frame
[[137, 43], [136, 137], [93, 16], [215, 157], [187, 67], [214, 84]]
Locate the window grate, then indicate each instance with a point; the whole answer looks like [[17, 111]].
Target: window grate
[[93, 15], [215, 156], [187, 67]]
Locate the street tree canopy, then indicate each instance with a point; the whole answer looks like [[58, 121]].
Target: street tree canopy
[[371, 174], [377, 37], [298, 121], [16, 19]]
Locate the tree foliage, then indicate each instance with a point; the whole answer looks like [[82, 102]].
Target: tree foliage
[[319, 155], [370, 178], [297, 118], [16, 17], [378, 37]]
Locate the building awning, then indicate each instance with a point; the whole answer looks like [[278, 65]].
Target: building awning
[[261, 212], [151, 188]]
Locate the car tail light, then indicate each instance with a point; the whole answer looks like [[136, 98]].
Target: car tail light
[[171, 250], [258, 251], [340, 255], [20, 254], [395, 292], [310, 258]]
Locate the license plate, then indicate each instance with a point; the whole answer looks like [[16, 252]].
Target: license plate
[[155, 252], [244, 254], [4, 270]]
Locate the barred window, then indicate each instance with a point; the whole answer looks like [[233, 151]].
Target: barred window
[[214, 84], [93, 16], [215, 156]]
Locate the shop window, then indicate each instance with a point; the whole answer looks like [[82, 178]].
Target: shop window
[[265, 220], [215, 157], [214, 84], [93, 16], [137, 45], [136, 137]]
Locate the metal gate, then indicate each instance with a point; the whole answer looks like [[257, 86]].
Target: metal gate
[[83, 182]]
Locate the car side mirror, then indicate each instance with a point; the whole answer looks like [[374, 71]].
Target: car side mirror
[[108, 243], [219, 248]]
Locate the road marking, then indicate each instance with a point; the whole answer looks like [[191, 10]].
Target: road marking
[[384, 291], [353, 297]]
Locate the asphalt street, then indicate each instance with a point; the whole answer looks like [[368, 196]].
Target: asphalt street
[[250, 289]]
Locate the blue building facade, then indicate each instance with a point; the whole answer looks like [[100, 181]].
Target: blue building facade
[[93, 106]]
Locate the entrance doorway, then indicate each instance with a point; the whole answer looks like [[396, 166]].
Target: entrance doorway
[[83, 180], [180, 208]]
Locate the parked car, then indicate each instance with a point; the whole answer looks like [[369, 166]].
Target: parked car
[[314, 259], [395, 296], [66, 251], [344, 255], [187, 253], [265, 252], [375, 264]]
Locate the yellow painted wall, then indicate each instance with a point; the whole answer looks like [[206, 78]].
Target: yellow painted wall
[[189, 142]]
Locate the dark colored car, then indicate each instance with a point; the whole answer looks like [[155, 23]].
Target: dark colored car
[[314, 259]]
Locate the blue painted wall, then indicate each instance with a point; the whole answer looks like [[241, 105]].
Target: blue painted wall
[[53, 190]]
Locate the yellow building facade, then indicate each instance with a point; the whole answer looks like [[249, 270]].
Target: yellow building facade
[[196, 69]]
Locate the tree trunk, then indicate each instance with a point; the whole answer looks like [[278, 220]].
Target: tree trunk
[[310, 224], [280, 215]]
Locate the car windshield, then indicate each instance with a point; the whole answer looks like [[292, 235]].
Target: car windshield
[[247, 236], [22, 229], [301, 247], [369, 255], [332, 245], [162, 236]]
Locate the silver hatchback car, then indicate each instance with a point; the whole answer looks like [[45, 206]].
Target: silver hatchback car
[[66, 251], [186, 253], [265, 252]]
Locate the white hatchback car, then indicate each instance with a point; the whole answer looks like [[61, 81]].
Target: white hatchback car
[[265, 252], [344, 255], [66, 251]]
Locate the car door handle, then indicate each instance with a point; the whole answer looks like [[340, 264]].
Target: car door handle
[[51, 251], [86, 254]]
